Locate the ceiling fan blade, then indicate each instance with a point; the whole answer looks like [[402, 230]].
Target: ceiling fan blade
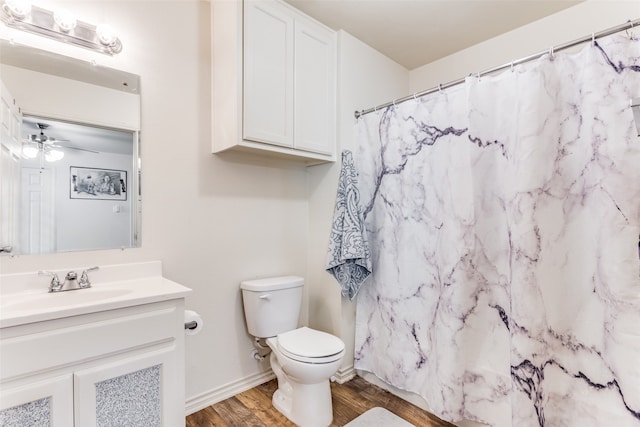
[[74, 148]]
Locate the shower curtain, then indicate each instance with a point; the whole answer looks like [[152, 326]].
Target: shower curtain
[[503, 217]]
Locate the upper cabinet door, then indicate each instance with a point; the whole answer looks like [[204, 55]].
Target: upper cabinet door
[[315, 88], [268, 73]]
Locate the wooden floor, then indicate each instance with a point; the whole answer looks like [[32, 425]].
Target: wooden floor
[[253, 407]]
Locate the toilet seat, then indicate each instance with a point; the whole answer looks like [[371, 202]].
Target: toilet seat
[[310, 346]]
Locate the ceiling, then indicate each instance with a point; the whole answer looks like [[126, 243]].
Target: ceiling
[[84, 137], [417, 32]]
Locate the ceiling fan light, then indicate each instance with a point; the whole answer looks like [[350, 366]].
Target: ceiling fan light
[[53, 155], [29, 151]]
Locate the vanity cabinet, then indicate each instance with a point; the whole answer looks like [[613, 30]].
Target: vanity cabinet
[[112, 368], [274, 81]]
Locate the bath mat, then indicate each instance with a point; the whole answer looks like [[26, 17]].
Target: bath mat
[[378, 417]]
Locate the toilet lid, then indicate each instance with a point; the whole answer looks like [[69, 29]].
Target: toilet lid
[[308, 343]]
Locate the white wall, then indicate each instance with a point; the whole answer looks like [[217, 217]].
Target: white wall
[[212, 220], [47, 95], [570, 24], [365, 78], [88, 224]]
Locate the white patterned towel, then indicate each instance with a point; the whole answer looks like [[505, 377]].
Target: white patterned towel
[[349, 259]]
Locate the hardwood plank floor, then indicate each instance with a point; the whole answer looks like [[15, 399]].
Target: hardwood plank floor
[[253, 407]]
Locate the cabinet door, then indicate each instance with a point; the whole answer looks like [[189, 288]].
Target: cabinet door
[[315, 88], [268, 73], [43, 403], [137, 391]]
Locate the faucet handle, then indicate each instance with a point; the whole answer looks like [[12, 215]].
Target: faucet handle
[[84, 279], [55, 284]]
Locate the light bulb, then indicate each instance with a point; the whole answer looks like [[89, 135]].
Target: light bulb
[[19, 9], [29, 151], [65, 20], [53, 155], [106, 34]]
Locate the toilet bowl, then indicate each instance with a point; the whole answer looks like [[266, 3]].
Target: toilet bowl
[[303, 359]]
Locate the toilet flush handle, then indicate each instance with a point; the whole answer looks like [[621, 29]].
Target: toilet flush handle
[[266, 296]]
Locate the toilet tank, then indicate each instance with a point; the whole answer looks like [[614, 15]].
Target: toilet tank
[[272, 305]]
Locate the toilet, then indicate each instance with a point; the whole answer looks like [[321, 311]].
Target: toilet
[[303, 359]]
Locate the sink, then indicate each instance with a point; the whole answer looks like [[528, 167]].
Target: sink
[[58, 300], [24, 297]]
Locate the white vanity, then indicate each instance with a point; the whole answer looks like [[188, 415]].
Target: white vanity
[[109, 355]]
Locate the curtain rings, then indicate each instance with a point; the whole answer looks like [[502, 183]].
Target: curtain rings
[[551, 55], [593, 39], [629, 30]]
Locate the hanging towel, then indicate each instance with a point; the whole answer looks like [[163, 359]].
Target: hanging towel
[[349, 259]]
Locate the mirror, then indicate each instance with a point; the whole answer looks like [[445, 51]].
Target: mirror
[[69, 160]]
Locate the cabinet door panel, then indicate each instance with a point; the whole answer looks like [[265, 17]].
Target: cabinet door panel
[[315, 88], [43, 403], [135, 391], [268, 74]]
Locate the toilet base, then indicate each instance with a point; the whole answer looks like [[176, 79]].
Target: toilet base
[[306, 405]]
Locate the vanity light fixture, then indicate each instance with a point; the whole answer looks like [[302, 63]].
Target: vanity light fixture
[[60, 25], [19, 9], [65, 20]]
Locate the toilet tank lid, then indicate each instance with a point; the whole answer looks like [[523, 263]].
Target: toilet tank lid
[[272, 283]]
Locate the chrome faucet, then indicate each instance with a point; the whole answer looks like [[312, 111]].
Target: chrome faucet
[[84, 279], [55, 285], [71, 281]]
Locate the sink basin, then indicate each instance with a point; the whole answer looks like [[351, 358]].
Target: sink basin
[[24, 297], [58, 300]]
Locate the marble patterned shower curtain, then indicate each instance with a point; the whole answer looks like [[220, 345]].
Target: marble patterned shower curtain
[[503, 217]]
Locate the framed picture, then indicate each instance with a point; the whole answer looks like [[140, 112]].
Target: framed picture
[[97, 184]]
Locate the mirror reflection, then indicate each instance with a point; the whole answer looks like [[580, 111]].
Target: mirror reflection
[[69, 154]]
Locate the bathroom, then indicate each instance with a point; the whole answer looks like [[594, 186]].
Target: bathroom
[[216, 220]]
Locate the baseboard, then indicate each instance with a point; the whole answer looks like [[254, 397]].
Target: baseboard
[[345, 374], [201, 401]]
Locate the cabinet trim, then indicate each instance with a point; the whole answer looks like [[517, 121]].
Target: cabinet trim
[[85, 391], [59, 389]]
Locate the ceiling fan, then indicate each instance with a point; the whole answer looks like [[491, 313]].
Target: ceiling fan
[[36, 144]]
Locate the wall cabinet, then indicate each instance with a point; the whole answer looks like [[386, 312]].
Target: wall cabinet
[[274, 81], [113, 368]]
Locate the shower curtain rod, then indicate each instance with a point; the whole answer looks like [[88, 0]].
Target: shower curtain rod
[[590, 38]]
